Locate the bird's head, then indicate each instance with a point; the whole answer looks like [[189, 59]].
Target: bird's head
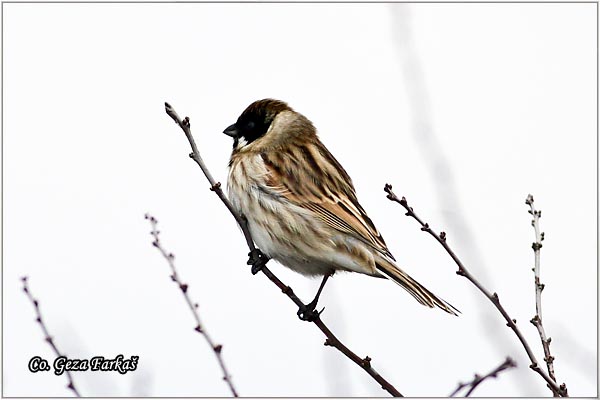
[[266, 119]]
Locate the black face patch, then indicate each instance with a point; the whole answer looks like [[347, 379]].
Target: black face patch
[[256, 119], [251, 126]]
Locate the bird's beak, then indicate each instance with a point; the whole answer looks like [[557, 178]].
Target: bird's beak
[[232, 131]]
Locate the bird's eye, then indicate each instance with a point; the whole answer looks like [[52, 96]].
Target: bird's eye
[[249, 125]]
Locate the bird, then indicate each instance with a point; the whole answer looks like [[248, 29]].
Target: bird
[[300, 204]]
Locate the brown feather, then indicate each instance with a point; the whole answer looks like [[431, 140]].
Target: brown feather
[[328, 191]]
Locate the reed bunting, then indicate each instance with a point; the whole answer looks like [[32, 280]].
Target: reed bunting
[[300, 203]]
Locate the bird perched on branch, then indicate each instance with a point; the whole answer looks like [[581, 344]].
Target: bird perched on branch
[[301, 206]]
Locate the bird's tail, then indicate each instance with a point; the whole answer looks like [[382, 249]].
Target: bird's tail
[[418, 291]]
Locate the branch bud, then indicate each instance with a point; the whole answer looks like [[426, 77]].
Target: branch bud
[[529, 199], [366, 362]]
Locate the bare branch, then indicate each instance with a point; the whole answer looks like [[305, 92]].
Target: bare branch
[[493, 297], [507, 364], [332, 340], [47, 337], [537, 318], [217, 348]]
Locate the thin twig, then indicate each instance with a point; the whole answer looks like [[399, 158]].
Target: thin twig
[[539, 286], [493, 297], [47, 337], [477, 379], [332, 340], [170, 257]]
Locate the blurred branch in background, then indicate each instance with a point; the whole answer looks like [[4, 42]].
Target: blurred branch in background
[[440, 168], [537, 318], [258, 262], [493, 297], [170, 257], [507, 364], [48, 338]]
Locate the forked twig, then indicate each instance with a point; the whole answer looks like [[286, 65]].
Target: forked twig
[[47, 337], [477, 379], [332, 340], [537, 318], [493, 297], [217, 348]]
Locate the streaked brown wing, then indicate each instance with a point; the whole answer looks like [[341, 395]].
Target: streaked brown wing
[[309, 176]]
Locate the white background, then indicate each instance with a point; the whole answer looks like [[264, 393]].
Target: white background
[[464, 108]]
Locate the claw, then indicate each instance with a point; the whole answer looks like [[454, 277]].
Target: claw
[[308, 313], [257, 259]]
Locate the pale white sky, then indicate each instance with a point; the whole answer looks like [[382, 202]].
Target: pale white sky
[[464, 108]]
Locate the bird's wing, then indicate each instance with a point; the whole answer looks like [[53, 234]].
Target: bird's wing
[[309, 176]]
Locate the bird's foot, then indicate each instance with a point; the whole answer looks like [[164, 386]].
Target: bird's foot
[[308, 312], [257, 259]]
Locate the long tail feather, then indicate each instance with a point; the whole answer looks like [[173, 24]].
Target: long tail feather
[[418, 291]]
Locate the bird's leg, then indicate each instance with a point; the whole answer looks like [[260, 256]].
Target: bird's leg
[[257, 259], [308, 311]]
